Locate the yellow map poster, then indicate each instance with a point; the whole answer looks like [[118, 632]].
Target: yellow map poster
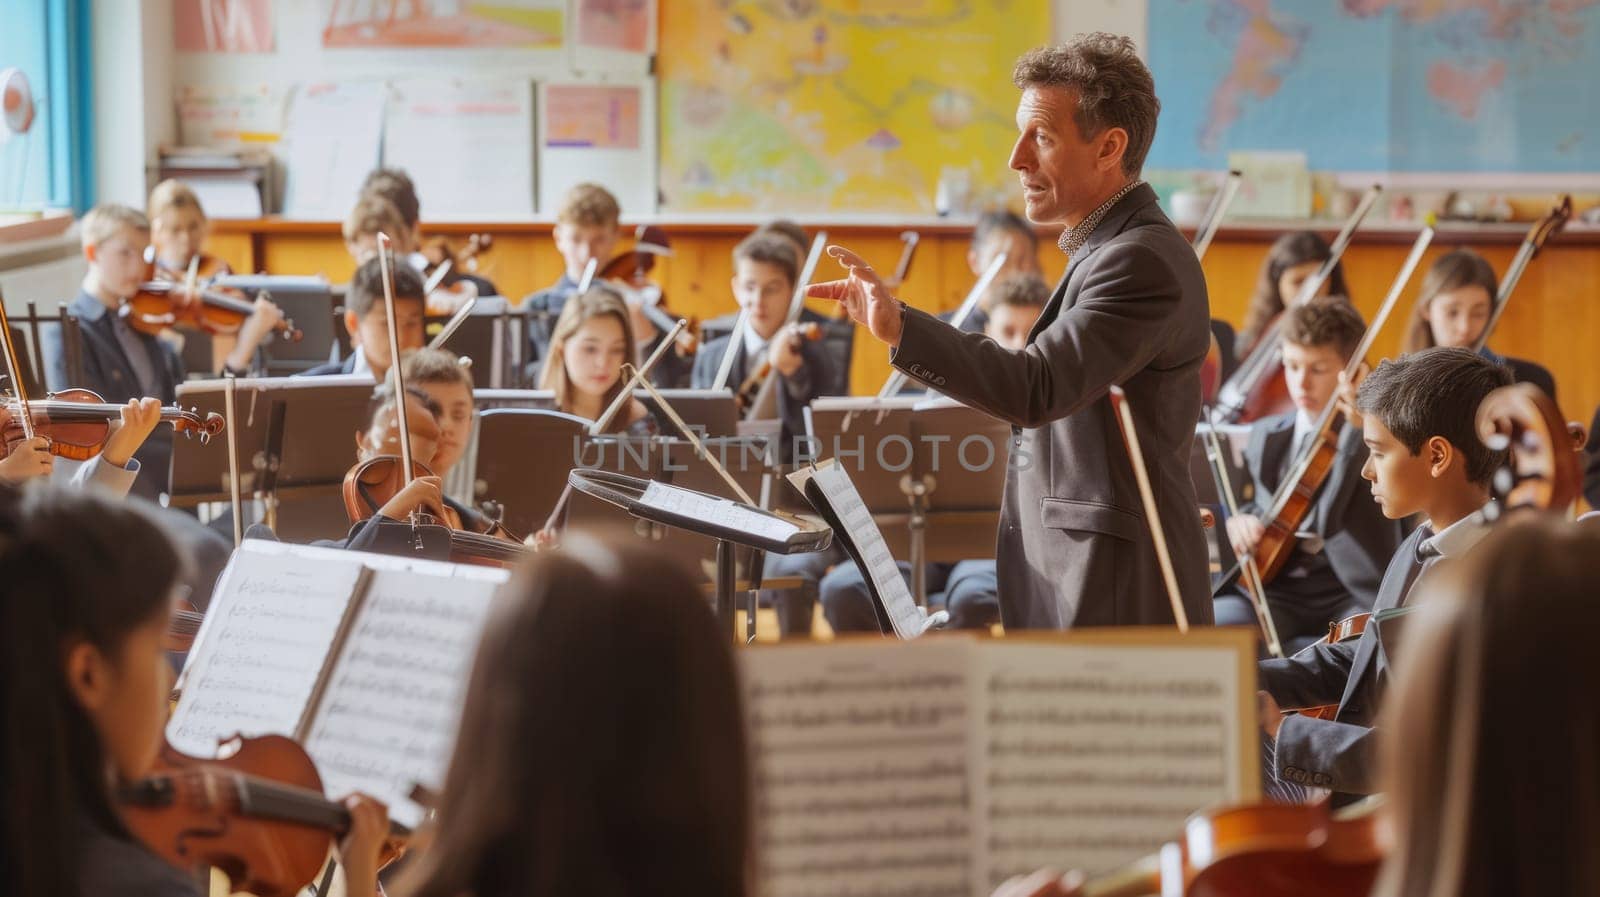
[[838, 105]]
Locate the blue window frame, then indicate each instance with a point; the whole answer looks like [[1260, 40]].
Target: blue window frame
[[51, 165]]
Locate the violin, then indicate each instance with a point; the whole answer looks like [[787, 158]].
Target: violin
[[630, 270], [204, 268], [1259, 850], [1294, 499], [259, 815], [1257, 389], [77, 422], [750, 389], [446, 286], [160, 304]]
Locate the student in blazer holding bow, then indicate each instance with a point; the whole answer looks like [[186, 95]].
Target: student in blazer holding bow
[[1335, 571], [1074, 548], [1417, 420]]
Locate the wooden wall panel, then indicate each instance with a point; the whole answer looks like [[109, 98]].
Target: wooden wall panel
[[1554, 318]]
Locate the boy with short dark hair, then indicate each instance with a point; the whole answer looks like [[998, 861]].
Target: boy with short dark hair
[[367, 320], [1334, 572], [1424, 457]]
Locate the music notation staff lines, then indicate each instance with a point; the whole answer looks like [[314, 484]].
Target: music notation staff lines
[[889, 832], [876, 774], [1031, 747], [1178, 689]]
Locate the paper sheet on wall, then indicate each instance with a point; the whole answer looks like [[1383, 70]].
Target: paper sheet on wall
[[468, 144], [613, 36], [333, 138], [228, 116], [597, 132]]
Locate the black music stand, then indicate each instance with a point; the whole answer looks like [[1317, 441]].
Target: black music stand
[[296, 438], [308, 301], [734, 523], [493, 337], [523, 456]]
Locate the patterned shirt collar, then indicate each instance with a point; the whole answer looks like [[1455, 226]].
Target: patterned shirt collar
[[1072, 239]]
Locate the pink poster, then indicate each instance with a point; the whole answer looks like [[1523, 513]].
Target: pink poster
[[222, 26], [591, 117], [445, 23], [614, 24]]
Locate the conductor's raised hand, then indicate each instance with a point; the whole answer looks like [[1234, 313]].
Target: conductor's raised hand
[[864, 296]]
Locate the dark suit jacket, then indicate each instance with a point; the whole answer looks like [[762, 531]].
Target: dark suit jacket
[[1074, 548], [347, 366], [106, 371], [1357, 539], [792, 398], [1338, 753]]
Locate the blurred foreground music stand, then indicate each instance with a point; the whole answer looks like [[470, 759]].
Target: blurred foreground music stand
[[730, 523]]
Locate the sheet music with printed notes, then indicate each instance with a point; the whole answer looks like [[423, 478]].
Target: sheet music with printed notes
[[860, 758], [1095, 754], [877, 562], [726, 512], [388, 717], [945, 765], [363, 659], [255, 662]]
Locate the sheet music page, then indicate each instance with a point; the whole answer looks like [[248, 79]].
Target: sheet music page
[[388, 718], [878, 562], [859, 756], [1097, 753], [271, 621], [721, 511]]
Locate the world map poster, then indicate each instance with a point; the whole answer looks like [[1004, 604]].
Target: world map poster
[[809, 105], [1380, 85]]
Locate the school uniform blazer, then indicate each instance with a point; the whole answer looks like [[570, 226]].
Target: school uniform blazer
[[1074, 548], [793, 393], [106, 371], [329, 368], [1358, 540], [1338, 754]]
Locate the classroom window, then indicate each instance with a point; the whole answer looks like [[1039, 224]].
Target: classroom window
[[48, 165]]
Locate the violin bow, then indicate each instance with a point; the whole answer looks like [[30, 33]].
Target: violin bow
[[233, 458], [14, 371], [1249, 570], [699, 447], [1235, 392], [797, 304], [1357, 358], [1207, 231], [1542, 230], [588, 276], [455, 322], [396, 379], [725, 367], [1130, 440]]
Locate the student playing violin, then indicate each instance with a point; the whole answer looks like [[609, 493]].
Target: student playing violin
[[1424, 457], [394, 185], [178, 230], [592, 340], [114, 469], [1457, 298], [1334, 572], [1293, 259], [120, 362], [586, 230], [88, 586], [571, 778]]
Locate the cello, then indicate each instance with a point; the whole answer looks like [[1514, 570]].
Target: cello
[[1542, 230]]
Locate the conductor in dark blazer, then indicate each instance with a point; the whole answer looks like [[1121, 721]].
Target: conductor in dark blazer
[[1074, 548]]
